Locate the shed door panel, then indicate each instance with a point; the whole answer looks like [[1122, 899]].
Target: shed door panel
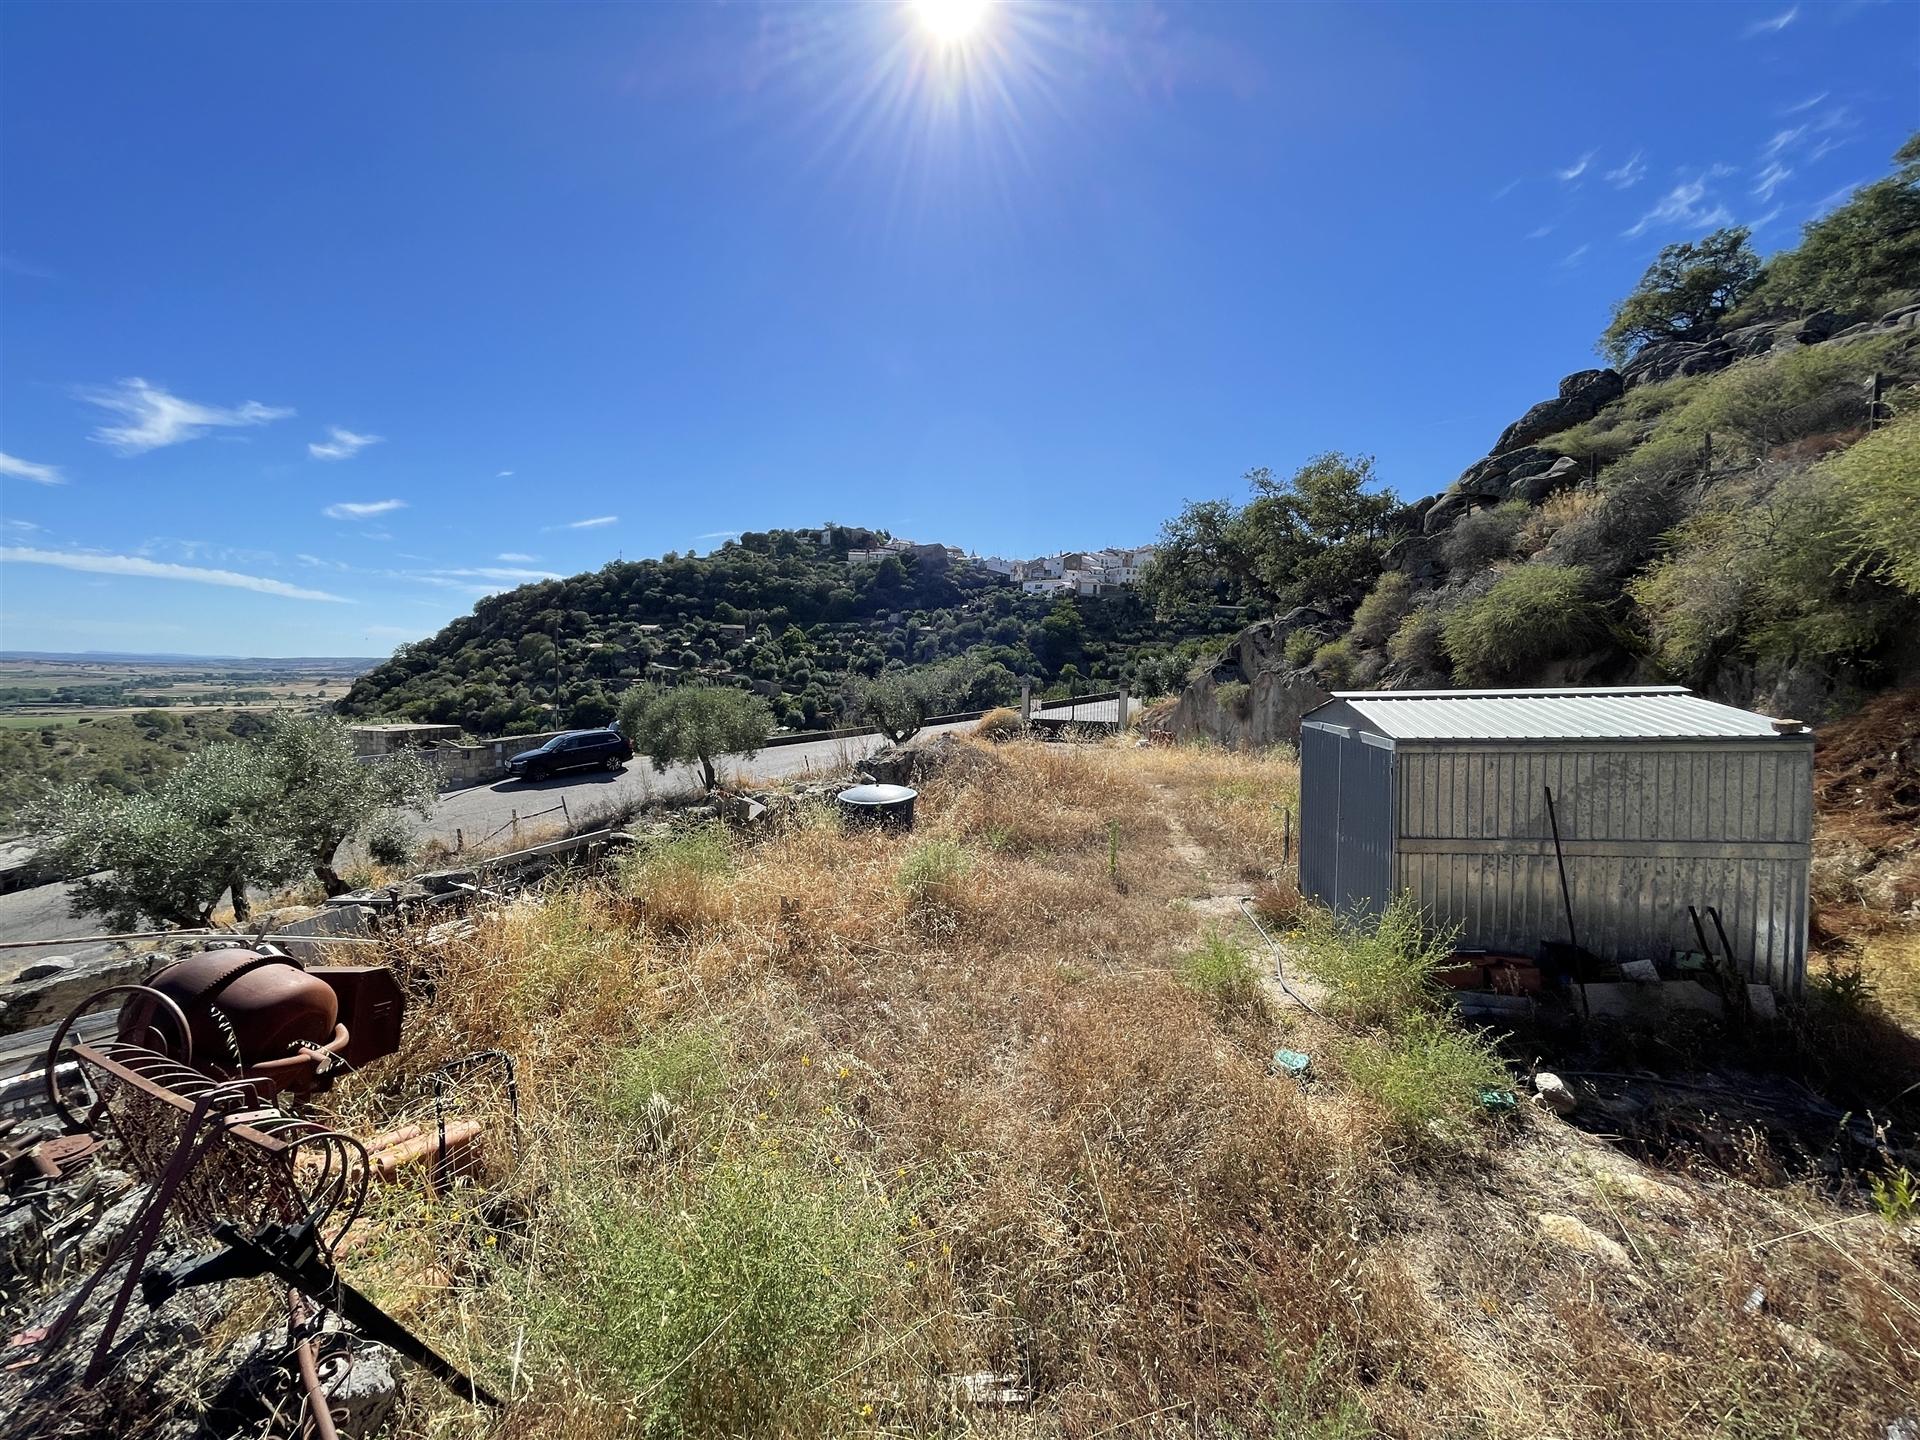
[[1366, 827]]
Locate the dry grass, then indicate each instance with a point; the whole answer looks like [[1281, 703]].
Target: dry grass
[[816, 1123]]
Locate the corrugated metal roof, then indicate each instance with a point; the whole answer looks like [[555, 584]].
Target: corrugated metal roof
[[1652, 712]]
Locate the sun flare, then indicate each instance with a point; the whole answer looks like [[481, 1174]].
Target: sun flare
[[951, 21]]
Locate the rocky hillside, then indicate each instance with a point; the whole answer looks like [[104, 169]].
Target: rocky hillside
[[1730, 507]]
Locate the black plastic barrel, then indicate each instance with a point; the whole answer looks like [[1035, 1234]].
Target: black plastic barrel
[[884, 807]]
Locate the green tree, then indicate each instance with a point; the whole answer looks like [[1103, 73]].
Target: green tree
[[1684, 293], [1315, 538], [1858, 255], [235, 816], [326, 795], [695, 724]]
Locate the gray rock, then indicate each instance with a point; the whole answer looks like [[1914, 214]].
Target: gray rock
[[1536, 484], [1580, 398], [1865, 327], [44, 968], [1449, 508], [1817, 327], [1750, 340], [1668, 359], [1555, 1093]]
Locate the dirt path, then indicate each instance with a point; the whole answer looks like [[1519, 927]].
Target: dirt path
[[1217, 902]]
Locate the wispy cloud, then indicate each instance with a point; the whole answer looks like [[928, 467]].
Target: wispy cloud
[[1575, 256], [504, 475], [514, 557], [1782, 140], [154, 418], [1629, 174], [1774, 24], [318, 564], [14, 265], [1805, 105], [1687, 204], [592, 523], [24, 526], [1771, 179], [1757, 225], [16, 468], [484, 572], [361, 509], [94, 563], [1827, 202], [1539, 232], [719, 535], [1578, 168], [340, 444], [1506, 189]]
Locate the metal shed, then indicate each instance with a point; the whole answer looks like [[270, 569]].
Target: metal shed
[[1663, 800]]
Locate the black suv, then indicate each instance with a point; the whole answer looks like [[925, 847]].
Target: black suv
[[575, 750]]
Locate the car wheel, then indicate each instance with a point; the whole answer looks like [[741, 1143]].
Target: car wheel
[[616, 764], [536, 773]]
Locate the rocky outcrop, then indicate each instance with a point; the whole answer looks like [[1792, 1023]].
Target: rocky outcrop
[[1275, 695], [1581, 396], [1670, 359]]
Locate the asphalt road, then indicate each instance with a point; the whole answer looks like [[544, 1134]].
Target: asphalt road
[[481, 811]]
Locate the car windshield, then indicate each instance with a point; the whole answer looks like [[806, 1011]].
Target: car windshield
[[558, 742]]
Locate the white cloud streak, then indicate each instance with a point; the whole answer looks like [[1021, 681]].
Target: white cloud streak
[[1578, 168], [514, 557], [1575, 256], [1629, 174], [1684, 205], [1775, 24], [93, 563], [153, 418], [1771, 179], [361, 509], [1805, 105], [16, 468], [340, 444], [592, 523], [484, 572]]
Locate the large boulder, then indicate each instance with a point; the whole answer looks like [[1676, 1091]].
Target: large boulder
[[1581, 396], [1536, 483], [1750, 340], [1268, 712], [1669, 359]]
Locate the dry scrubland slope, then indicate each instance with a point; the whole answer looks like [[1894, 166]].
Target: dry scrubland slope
[[817, 1122]]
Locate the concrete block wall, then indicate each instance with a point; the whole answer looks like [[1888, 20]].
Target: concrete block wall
[[486, 759]]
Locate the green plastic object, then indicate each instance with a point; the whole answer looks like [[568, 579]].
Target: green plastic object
[[1291, 1062], [1499, 1100]]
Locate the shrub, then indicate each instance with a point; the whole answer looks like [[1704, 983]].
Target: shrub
[[1424, 1068], [727, 1308], [1001, 724], [934, 873], [1533, 614], [1377, 970], [1601, 440], [1222, 970], [1769, 401], [1878, 483], [1335, 663], [1761, 574], [1381, 612], [1420, 641], [1484, 537], [1300, 647], [1689, 287], [1639, 500], [1235, 697]]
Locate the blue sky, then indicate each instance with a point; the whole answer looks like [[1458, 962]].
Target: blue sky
[[321, 321]]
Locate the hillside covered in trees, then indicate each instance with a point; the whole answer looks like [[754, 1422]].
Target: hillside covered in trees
[[1730, 505], [780, 612]]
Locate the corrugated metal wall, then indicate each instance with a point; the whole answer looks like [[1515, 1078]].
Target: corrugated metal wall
[[1647, 828], [1346, 820]]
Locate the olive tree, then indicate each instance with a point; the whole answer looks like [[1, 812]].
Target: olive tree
[[695, 725], [234, 817]]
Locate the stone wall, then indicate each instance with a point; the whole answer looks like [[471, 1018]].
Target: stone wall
[[484, 760]]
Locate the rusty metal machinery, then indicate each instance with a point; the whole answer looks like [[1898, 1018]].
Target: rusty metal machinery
[[260, 1015], [188, 1086]]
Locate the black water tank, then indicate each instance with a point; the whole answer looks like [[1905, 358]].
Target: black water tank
[[886, 807]]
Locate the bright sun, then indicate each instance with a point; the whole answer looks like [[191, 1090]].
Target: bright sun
[[951, 21]]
